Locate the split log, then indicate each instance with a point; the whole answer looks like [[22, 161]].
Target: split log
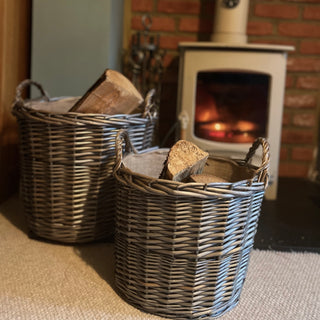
[[184, 159], [111, 94], [206, 178]]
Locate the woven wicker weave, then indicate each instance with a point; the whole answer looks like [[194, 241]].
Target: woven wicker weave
[[182, 249], [67, 160]]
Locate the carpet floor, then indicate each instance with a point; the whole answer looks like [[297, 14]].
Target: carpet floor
[[41, 280]]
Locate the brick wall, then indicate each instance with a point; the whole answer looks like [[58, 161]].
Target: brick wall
[[291, 22]]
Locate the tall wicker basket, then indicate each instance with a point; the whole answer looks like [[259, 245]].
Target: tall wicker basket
[[182, 249], [66, 166]]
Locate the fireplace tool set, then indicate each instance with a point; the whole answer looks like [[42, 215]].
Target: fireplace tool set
[[144, 61]]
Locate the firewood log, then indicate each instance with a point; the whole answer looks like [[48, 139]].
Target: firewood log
[[206, 178], [111, 94], [184, 159]]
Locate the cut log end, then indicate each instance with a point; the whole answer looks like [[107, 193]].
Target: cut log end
[[184, 159], [206, 178]]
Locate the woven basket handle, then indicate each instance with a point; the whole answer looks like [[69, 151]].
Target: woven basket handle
[[122, 137], [24, 84], [263, 170]]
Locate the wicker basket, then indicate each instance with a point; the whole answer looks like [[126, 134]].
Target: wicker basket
[[182, 249], [66, 166]]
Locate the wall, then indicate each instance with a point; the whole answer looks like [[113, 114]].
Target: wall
[[14, 67], [291, 22], [73, 44]]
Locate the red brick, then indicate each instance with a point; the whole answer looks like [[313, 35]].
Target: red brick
[[303, 64], [312, 12], [310, 47], [169, 60], [179, 6], [283, 153], [308, 82], [297, 136], [302, 154], [286, 118], [189, 24], [171, 42], [300, 101], [259, 28], [294, 29], [304, 120], [280, 41], [141, 5], [163, 24], [195, 25], [136, 23], [287, 169], [277, 11], [158, 24], [289, 81]]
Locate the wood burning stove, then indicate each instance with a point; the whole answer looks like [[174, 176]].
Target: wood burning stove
[[231, 92]]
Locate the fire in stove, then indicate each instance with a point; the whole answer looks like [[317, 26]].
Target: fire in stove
[[240, 132], [231, 106]]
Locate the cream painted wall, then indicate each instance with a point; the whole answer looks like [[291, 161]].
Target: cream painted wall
[[73, 41]]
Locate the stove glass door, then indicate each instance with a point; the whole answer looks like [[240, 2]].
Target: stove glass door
[[231, 106]]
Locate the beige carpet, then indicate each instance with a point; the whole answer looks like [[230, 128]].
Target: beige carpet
[[39, 280]]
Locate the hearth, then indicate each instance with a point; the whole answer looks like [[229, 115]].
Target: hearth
[[231, 92]]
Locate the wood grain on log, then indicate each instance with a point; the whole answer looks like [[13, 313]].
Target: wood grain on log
[[184, 159], [111, 94]]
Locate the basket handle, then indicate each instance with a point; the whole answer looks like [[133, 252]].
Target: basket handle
[[262, 171], [24, 84], [148, 103], [122, 137]]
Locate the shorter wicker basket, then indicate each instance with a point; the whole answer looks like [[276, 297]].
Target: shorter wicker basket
[[66, 167], [182, 249]]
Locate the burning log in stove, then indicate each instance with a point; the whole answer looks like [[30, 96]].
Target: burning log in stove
[[240, 131]]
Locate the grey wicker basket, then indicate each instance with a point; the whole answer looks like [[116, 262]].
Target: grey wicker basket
[[182, 249], [66, 167]]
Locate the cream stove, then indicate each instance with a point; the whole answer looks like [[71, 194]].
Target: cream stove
[[231, 92]]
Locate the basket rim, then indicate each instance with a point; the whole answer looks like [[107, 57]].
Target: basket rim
[[75, 118], [21, 110], [147, 184], [201, 190]]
